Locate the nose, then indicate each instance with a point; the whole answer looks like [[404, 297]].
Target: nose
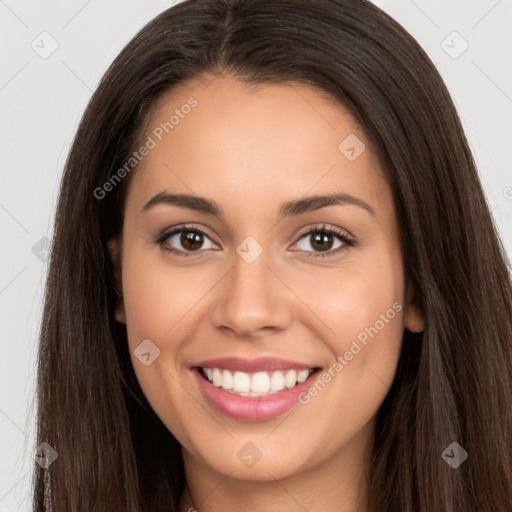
[[253, 299]]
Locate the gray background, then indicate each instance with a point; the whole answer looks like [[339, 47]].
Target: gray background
[[42, 97]]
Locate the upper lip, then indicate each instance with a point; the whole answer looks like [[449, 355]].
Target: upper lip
[[261, 364]]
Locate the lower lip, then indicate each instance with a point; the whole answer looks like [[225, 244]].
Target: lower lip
[[251, 408]]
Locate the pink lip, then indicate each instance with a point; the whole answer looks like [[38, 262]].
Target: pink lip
[[248, 408], [263, 364]]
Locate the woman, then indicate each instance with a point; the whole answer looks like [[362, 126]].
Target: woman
[[203, 346]]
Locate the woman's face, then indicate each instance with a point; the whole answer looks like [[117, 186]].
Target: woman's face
[[260, 293]]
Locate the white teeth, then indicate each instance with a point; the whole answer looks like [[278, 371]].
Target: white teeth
[[227, 379], [277, 381], [260, 382], [302, 376], [256, 384], [290, 378], [241, 382], [217, 377]]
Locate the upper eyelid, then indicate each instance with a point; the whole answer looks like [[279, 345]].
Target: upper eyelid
[[325, 227]]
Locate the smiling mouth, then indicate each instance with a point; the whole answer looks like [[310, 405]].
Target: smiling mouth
[[255, 384]]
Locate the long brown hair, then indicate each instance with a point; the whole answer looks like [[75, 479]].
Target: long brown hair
[[454, 380]]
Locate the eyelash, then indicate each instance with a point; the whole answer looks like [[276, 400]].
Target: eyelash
[[347, 241]]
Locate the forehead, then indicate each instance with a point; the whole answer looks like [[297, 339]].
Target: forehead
[[221, 137]]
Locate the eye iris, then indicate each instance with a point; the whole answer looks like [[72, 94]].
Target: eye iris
[[321, 240], [189, 238]]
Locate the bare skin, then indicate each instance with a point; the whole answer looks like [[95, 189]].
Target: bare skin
[[250, 151]]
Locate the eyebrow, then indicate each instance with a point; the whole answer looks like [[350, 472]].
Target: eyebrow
[[289, 209]]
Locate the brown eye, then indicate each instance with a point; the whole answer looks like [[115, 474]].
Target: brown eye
[[185, 240], [324, 241], [191, 240]]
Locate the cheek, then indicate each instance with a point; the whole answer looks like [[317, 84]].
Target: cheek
[[360, 314], [352, 300], [156, 297], [156, 304], [362, 307], [156, 301]]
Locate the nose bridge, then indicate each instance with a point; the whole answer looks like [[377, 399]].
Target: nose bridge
[[252, 297]]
